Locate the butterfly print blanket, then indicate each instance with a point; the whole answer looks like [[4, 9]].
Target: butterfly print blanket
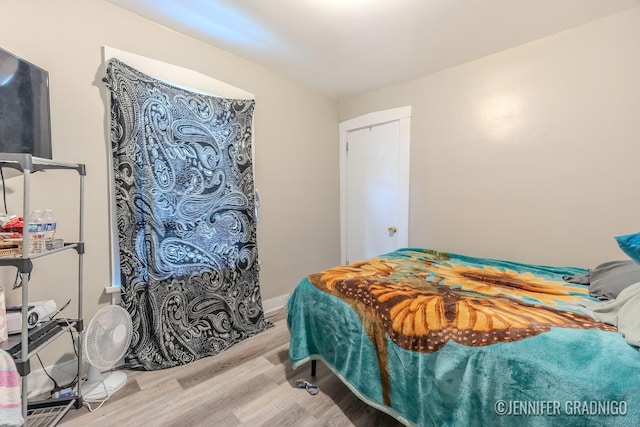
[[437, 338]]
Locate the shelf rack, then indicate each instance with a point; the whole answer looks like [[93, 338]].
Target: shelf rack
[[26, 164]]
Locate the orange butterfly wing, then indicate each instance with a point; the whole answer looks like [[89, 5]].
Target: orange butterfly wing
[[423, 316]]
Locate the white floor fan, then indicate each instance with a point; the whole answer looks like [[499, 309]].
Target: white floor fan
[[106, 341]]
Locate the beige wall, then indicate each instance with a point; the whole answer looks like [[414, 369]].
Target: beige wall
[[296, 134], [530, 154]]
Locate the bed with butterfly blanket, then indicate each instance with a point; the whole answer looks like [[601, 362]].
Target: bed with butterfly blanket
[[443, 339]]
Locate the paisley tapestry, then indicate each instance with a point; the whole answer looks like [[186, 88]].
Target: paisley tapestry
[[186, 218]]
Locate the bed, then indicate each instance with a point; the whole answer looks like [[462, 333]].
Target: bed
[[443, 339]]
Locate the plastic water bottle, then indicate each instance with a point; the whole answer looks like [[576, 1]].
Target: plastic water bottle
[[49, 224], [36, 232]]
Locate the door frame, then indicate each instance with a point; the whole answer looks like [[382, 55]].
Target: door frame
[[403, 115]]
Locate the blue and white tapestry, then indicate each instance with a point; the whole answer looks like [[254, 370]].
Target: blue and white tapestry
[[186, 218]]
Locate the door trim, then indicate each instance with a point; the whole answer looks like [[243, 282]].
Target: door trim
[[403, 115]]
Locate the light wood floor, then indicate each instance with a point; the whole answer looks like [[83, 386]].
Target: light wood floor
[[250, 384]]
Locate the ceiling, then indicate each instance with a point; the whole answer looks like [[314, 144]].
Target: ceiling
[[343, 47]]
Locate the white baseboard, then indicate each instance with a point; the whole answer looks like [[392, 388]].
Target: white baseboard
[[272, 305]]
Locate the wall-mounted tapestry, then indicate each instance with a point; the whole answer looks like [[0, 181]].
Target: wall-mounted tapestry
[[186, 221]]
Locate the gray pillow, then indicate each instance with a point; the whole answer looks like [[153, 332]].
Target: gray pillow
[[609, 279]]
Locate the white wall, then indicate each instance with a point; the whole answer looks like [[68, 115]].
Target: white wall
[[296, 137], [529, 154]]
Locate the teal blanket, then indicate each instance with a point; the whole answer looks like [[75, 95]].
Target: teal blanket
[[442, 339]]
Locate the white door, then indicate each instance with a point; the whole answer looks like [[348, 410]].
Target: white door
[[372, 191], [374, 187]]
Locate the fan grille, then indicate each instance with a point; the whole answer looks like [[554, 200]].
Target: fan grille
[[107, 336]]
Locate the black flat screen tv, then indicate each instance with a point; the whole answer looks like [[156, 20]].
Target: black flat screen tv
[[25, 117]]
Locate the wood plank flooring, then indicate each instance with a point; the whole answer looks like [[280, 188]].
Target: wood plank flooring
[[250, 384]]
